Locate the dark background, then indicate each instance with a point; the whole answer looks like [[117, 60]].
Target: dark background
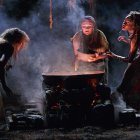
[[50, 49]]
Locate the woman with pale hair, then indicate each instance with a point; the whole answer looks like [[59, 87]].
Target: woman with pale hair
[[12, 41]]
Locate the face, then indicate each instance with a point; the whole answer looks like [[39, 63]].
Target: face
[[22, 45], [87, 27], [128, 25]]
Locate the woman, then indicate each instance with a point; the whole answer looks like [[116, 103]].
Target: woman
[[11, 42], [88, 44], [130, 85]]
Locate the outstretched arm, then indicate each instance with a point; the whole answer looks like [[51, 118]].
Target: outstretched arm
[[132, 52]]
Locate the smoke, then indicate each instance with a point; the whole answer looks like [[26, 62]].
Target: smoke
[[119, 104], [49, 49]]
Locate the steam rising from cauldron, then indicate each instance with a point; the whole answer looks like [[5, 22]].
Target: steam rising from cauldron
[[48, 49]]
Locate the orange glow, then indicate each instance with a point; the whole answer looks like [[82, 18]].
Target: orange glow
[[50, 18]]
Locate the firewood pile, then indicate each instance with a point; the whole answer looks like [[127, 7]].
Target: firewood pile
[[28, 117]]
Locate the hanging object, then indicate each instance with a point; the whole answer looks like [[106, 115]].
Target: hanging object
[[50, 17]]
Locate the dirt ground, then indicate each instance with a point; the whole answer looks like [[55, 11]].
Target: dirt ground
[[84, 133], [117, 132]]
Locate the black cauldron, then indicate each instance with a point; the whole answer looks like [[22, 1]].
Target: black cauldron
[[71, 95]]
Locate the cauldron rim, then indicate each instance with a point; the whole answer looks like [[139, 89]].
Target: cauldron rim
[[71, 74]]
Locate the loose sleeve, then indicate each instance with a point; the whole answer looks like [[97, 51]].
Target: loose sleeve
[[104, 45]]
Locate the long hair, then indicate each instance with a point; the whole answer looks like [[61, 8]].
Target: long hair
[[15, 36], [135, 17]]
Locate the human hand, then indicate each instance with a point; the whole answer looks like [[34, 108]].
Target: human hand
[[110, 54], [98, 56], [123, 38], [85, 57], [93, 58]]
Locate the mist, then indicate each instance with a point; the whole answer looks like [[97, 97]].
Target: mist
[[51, 49]]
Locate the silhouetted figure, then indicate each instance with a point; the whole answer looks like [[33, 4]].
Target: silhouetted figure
[[12, 41]]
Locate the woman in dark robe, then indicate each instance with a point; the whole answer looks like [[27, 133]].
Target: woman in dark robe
[[130, 85]]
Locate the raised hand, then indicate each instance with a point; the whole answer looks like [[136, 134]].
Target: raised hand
[[124, 39]]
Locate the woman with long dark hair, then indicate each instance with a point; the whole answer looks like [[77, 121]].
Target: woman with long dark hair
[[130, 85]]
